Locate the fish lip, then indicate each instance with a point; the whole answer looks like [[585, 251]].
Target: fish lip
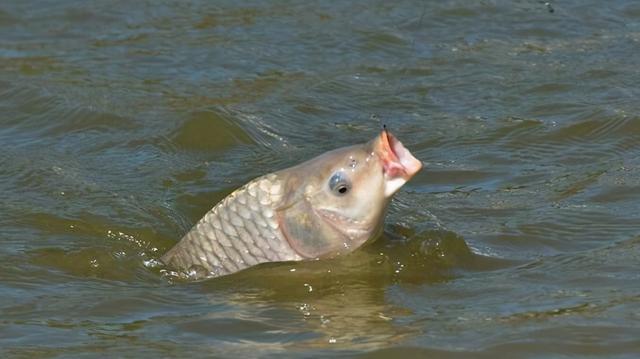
[[397, 160]]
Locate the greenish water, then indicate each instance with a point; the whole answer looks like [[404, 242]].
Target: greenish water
[[122, 122]]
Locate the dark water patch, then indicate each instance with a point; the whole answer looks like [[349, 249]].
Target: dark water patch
[[58, 127], [190, 175], [552, 109], [579, 309], [90, 239], [575, 340], [617, 194], [6, 19], [235, 329], [29, 65], [241, 16], [632, 11], [577, 143], [458, 12], [418, 352], [24, 103], [382, 41], [578, 185], [577, 225], [597, 125], [97, 262], [600, 74], [549, 89], [88, 121], [121, 40], [209, 131], [516, 129], [538, 33], [602, 262]]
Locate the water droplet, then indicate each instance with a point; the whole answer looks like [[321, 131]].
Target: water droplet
[[151, 263], [332, 340], [324, 321], [305, 309]]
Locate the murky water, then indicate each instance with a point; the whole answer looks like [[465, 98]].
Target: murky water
[[122, 122]]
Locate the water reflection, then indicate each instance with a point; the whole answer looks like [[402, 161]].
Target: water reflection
[[343, 303]]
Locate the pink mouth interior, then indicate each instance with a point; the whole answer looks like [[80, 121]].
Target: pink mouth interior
[[398, 161]]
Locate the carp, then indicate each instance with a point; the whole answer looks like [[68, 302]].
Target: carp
[[322, 208]]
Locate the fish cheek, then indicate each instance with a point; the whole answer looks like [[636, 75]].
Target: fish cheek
[[307, 233]]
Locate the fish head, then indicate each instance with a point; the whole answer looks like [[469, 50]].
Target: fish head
[[336, 202]]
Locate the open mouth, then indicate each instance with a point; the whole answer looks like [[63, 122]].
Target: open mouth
[[397, 160]]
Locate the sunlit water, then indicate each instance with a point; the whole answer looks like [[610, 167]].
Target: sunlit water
[[122, 122]]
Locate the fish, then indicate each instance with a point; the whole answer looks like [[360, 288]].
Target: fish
[[322, 208]]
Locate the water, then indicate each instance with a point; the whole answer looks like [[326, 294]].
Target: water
[[123, 122]]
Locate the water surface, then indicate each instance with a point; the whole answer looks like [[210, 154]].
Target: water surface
[[123, 122]]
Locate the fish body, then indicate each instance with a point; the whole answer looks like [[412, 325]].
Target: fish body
[[327, 206]]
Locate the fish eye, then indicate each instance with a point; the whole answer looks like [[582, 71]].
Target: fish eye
[[339, 184]]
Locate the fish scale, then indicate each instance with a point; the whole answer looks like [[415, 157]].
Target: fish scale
[[241, 231]]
